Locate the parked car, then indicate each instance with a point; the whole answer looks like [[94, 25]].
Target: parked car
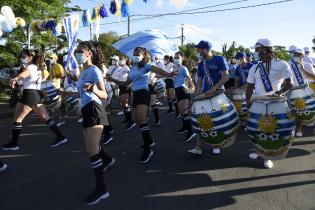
[[6, 75]]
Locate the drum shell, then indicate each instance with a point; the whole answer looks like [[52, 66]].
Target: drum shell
[[73, 103], [215, 120], [51, 98], [271, 126], [160, 88], [238, 98], [302, 102]]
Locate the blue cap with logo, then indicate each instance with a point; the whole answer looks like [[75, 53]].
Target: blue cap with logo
[[204, 45], [240, 55]]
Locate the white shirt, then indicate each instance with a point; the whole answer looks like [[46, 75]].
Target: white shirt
[[309, 59], [308, 67], [119, 72], [169, 67], [72, 72], [279, 71], [34, 80]]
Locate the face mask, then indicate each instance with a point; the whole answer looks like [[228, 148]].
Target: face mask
[[121, 62], [52, 61], [200, 56], [114, 62], [80, 58], [291, 55], [24, 61], [256, 56], [238, 62], [178, 62], [137, 59], [296, 59], [165, 62]]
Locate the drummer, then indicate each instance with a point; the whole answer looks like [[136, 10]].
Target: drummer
[[242, 69], [279, 78], [305, 72], [212, 74]]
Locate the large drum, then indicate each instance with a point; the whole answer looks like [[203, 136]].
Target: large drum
[[312, 86], [160, 88], [52, 99], [271, 126], [302, 102], [239, 100], [73, 103], [215, 120]]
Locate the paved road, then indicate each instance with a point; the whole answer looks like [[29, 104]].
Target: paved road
[[41, 178]]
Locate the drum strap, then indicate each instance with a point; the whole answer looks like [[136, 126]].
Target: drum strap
[[297, 72], [265, 78], [208, 78], [242, 75], [114, 70]]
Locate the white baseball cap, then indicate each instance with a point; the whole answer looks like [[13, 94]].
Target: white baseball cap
[[292, 48], [115, 57], [306, 49], [263, 43], [299, 50]]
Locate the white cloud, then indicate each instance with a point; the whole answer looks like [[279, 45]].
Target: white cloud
[[179, 3], [159, 3]]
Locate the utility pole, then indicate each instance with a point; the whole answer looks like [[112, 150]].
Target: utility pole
[[182, 36], [90, 32], [128, 25]]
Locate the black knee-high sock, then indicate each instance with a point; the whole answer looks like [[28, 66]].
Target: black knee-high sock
[[155, 110], [145, 131], [97, 165], [52, 125], [176, 105], [187, 122], [170, 104], [105, 157], [106, 130], [16, 130], [128, 114]]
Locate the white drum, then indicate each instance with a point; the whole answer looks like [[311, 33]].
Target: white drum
[[160, 88], [215, 120], [51, 98], [73, 103], [238, 98]]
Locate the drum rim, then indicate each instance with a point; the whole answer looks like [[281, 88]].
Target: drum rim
[[218, 92], [270, 98], [299, 87]]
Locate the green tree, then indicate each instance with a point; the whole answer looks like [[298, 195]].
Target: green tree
[[313, 43], [281, 53], [106, 40], [189, 52]]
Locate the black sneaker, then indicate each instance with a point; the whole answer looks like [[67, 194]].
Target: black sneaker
[[189, 136], [57, 142], [157, 123], [151, 145], [111, 131], [178, 115], [96, 196], [146, 155], [10, 147], [3, 166], [182, 130], [124, 122], [169, 111], [107, 139], [108, 163], [130, 126]]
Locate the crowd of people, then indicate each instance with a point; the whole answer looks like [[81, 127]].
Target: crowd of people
[[134, 81]]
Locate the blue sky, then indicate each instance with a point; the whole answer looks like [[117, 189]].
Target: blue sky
[[285, 24]]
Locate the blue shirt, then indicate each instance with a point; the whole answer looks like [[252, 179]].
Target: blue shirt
[[232, 70], [210, 70], [91, 75], [181, 76], [245, 70], [140, 77]]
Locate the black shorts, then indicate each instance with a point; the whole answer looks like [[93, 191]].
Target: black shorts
[[141, 97], [230, 83], [181, 94], [124, 90], [93, 114], [31, 97], [169, 83], [152, 89]]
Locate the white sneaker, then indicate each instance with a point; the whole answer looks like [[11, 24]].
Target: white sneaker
[[80, 120], [253, 156], [216, 151], [195, 151], [268, 164], [299, 134], [120, 113], [61, 123], [245, 129]]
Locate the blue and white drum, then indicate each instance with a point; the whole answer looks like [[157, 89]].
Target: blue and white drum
[[73, 103], [160, 88], [302, 103], [51, 98], [239, 100], [271, 126], [215, 120]]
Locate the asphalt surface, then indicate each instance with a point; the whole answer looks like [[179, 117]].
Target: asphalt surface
[[41, 178]]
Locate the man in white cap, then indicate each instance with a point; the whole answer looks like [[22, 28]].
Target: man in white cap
[[278, 72], [307, 57], [291, 50], [302, 73]]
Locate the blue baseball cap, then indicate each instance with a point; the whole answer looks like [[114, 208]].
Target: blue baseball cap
[[249, 55], [240, 55], [204, 45]]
